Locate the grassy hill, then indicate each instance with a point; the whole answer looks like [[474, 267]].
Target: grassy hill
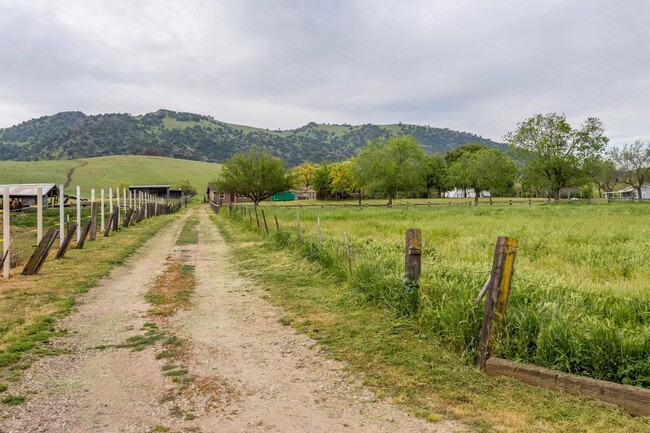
[[110, 171], [73, 135]]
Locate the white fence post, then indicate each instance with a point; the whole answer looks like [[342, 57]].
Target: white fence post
[[39, 214], [61, 216], [6, 234], [102, 208], [78, 213]]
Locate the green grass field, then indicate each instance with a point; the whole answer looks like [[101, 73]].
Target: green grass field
[[581, 292], [110, 171]]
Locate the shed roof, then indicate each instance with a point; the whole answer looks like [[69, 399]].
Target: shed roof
[[149, 186], [27, 189]]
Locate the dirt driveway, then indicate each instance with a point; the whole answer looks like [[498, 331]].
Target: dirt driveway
[[236, 367]]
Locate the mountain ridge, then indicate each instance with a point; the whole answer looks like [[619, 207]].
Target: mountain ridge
[[73, 135]]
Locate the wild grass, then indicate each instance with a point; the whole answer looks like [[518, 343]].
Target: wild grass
[[172, 289], [395, 355], [189, 234], [581, 293]]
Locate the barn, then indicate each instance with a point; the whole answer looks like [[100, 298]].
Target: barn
[[26, 193]]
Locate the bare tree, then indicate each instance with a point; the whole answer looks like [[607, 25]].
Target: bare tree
[[633, 160]]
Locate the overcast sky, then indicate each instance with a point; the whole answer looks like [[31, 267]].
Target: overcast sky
[[478, 66]]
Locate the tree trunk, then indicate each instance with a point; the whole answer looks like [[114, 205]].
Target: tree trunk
[[638, 191], [390, 200], [557, 194], [476, 194]]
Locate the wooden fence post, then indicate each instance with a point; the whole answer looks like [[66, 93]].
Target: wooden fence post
[[413, 254], [266, 227], [347, 250], [40, 253], [109, 226], [66, 241], [277, 226], [84, 233], [498, 293], [257, 218], [94, 208]]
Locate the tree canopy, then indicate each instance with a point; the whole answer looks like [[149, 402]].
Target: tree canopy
[[487, 169], [397, 164], [186, 187], [633, 162], [256, 175], [553, 153]]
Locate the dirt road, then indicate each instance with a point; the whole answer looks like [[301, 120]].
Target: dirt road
[[237, 368]]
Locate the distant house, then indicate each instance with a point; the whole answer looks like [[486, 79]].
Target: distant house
[[629, 193], [26, 193], [162, 191], [460, 193], [220, 197]]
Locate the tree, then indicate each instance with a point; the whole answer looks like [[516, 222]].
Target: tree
[[488, 169], [604, 174], [186, 187], [304, 173], [342, 178], [256, 175], [398, 164], [553, 153], [633, 161], [322, 181], [437, 176], [454, 155]]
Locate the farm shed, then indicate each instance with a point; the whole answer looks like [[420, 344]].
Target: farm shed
[[283, 196], [26, 193], [219, 197], [629, 193], [162, 191]]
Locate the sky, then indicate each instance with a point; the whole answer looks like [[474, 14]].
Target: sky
[[471, 65]]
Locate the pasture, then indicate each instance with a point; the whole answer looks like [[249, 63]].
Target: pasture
[[106, 171], [581, 292]]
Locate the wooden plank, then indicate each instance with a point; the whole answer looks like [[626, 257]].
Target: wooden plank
[[66, 241], [633, 399], [116, 218], [40, 254], [84, 233]]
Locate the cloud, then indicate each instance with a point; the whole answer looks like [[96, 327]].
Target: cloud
[[469, 65]]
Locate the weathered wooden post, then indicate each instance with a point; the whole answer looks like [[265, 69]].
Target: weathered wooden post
[[110, 201], [66, 241], [257, 218], [498, 293], [109, 226], [347, 250], [413, 254], [266, 227], [84, 234], [277, 226], [94, 208], [40, 253], [39, 214], [6, 232], [61, 216]]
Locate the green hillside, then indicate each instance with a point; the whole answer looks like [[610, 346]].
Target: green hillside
[[110, 171], [73, 135]]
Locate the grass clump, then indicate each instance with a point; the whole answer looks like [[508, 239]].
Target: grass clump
[[172, 289], [13, 400]]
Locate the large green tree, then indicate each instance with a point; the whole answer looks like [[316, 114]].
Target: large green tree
[[437, 177], [397, 164], [554, 155], [488, 169], [256, 175]]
